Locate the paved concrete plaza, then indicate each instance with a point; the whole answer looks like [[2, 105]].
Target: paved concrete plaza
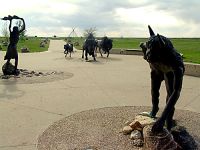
[[27, 109]]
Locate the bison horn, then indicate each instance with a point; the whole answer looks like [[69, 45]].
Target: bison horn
[[151, 31]]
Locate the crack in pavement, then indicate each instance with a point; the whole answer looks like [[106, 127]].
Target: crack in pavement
[[19, 145], [34, 108]]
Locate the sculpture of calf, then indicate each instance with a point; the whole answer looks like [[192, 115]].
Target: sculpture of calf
[[166, 64], [68, 49]]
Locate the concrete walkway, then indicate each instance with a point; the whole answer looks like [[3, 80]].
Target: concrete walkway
[[26, 110]]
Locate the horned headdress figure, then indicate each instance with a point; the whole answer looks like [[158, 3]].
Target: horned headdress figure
[[166, 64]]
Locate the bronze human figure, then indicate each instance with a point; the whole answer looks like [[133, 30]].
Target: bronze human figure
[[166, 64], [14, 38]]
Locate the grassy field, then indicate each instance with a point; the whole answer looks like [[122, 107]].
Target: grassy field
[[129, 43], [33, 44], [189, 47]]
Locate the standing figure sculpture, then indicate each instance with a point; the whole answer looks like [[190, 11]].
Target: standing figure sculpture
[[14, 38], [166, 64]]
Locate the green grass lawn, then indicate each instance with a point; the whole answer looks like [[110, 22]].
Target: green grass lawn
[[129, 43], [33, 44], [189, 47]]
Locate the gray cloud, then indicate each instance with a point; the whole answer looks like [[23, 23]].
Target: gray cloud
[[102, 15], [186, 10]]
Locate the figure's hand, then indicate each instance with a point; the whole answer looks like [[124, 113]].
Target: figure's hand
[[5, 18], [158, 126], [16, 17], [142, 45], [10, 17]]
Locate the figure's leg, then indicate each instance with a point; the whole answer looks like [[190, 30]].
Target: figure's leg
[[86, 55], [7, 53], [16, 71], [169, 121], [100, 52], [169, 83], [95, 51], [108, 53], [16, 62], [83, 53], [66, 52], [156, 79], [172, 99], [93, 55]]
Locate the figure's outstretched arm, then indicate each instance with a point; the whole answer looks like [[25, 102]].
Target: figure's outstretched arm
[[10, 25], [23, 26]]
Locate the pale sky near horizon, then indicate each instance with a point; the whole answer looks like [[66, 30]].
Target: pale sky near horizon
[[127, 18]]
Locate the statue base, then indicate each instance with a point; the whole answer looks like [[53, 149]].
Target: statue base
[[102, 129], [9, 69]]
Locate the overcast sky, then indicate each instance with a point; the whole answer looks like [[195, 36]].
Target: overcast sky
[[127, 18]]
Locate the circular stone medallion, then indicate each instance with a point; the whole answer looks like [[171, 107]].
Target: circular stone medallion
[[100, 129]]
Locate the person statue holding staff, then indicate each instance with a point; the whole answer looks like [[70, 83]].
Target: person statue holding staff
[[14, 38]]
